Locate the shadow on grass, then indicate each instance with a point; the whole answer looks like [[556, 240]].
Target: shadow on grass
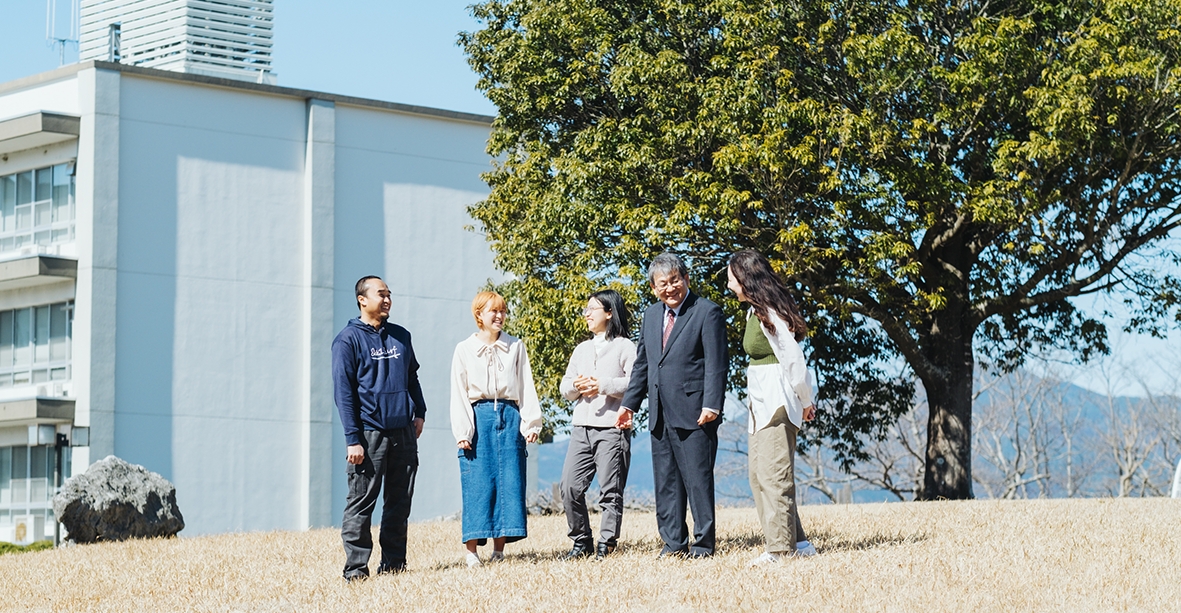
[[524, 557], [742, 541], [835, 541], [825, 542], [450, 565], [533, 556], [529, 556]]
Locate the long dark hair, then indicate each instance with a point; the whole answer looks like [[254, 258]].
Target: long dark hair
[[612, 303], [765, 290]]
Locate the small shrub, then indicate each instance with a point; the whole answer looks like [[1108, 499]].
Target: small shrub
[[34, 546]]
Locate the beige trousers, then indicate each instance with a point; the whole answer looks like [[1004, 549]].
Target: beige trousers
[[772, 452]]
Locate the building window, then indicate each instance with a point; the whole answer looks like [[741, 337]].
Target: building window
[[27, 486], [36, 208], [35, 344]]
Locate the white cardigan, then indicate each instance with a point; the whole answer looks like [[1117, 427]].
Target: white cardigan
[[498, 371], [785, 384], [609, 361]]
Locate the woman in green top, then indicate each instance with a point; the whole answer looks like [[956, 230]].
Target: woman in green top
[[780, 400]]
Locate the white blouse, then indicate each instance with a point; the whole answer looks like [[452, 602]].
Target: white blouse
[[786, 384], [480, 371]]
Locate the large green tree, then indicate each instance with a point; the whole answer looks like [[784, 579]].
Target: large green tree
[[938, 178]]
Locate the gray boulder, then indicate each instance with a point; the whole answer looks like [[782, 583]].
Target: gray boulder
[[115, 501]]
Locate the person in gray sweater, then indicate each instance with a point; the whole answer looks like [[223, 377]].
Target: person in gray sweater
[[595, 381]]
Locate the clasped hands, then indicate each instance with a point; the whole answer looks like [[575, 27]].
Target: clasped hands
[[587, 386]]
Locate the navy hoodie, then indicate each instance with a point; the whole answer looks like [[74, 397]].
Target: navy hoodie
[[375, 376]]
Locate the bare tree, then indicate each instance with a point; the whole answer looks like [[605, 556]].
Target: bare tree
[[1072, 427], [1163, 402], [895, 462], [818, 471], [1127, 435], [1012, 440]]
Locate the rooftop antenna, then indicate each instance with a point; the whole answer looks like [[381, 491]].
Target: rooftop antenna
[[114, 42], [53, 34]]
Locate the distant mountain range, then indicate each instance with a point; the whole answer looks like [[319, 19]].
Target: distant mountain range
[[1095, 473]]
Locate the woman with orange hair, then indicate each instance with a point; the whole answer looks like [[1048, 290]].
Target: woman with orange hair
[[494, 413]]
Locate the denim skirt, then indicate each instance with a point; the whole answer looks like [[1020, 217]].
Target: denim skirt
[[492, 474]]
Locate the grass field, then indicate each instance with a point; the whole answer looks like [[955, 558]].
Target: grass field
[[1046, 555]]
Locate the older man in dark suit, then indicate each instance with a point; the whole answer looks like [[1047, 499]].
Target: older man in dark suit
[[681, 366]]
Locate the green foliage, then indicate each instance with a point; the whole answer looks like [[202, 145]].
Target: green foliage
[[937, 178], [34, 546]]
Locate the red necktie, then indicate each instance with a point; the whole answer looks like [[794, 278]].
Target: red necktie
[[668, 328]]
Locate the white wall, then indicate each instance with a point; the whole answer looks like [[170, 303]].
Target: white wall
[[207, 345], [403, 184], [60, 96], [208, 339]]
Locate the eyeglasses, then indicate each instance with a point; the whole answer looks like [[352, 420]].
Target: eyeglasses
[[672, 282], [589, 310]]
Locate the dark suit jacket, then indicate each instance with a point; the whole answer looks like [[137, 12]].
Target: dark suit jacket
[[690, 373]]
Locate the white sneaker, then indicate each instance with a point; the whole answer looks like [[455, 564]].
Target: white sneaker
[[805, 549], [473, 560], [497, 556], [767, 559]]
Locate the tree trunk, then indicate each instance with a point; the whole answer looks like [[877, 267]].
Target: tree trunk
[[948, 471]]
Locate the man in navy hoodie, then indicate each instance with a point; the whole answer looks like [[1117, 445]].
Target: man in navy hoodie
[[375, 376]]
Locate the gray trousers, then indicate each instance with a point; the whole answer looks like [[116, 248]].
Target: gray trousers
[[606, 451], [391, 459], [772, 458]]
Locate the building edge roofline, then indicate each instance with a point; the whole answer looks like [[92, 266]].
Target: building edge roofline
[[48, 76], [278, 90]]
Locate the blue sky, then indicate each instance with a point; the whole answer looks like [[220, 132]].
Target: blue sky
[[392, 50]]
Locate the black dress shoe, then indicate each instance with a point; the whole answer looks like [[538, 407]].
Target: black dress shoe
[[391, 569], [697, 555], [356, 576], [672, 553], [581, 549], [604, 551]]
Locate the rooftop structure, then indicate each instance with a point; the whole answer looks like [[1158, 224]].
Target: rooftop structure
[[222, 38]]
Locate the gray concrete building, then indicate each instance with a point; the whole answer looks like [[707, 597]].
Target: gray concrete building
[[177, 252]]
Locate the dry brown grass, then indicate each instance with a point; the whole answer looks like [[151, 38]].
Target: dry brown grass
[[1053, 555]]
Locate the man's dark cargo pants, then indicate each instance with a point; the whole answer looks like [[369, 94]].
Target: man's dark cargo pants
[[391, 463]]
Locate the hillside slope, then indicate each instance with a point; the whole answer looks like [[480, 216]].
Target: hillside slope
[[1043, 555]]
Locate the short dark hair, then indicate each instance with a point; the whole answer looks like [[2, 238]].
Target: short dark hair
[[613, 303], [363, 286], [666, 263]]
